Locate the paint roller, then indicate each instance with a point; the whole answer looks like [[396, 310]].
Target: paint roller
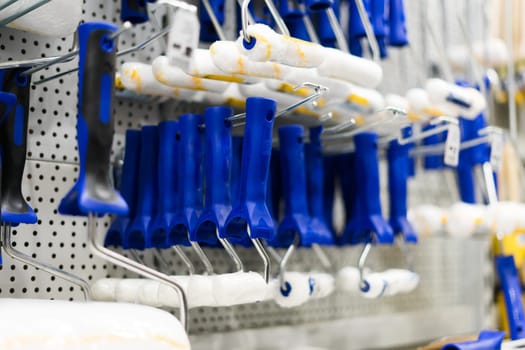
[[428, 219], [62, 325], [264, 44], [138, 77], [57, 18], [465, 219], [463, 101]]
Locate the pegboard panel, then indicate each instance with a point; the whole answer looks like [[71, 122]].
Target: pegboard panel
[[59, 240]]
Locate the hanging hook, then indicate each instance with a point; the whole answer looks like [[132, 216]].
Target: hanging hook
[[370, 36], [26, 259], [22, 12], [246, 18], [284, 262], [318, 92], [185, 259], [361, 262]]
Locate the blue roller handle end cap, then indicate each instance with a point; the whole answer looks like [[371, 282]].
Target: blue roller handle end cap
[[250, 206], [134, 11], [94, 191]]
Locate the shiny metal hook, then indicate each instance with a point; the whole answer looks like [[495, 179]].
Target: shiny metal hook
[[208, 266], [369, 31], [326, 263], [437, 130], [361, 262], [338, 31], [239, 266], [405, 250], [246, 18], [26, 259], [135, 48], [259, 246], [284, 262], [22, 12], [7, 4], [135, 267], [216, 25], [185, 259], [318, 92]]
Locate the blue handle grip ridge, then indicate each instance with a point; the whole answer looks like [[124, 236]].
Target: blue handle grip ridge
[[398, 168], [134, 11], [191, 176], [397, 30], [487, 340], [511, 287], [218, 159], [250, 206]]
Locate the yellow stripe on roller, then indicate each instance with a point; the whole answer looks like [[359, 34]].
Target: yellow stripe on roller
[[433, 112], [520, 97], [360, 100], [236, 102], [118, 83], [359, 120], [414, 117], [227, 78]]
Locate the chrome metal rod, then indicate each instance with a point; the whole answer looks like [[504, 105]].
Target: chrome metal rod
[[22, 12], [208, 266], [284, 263], [323, 257], [362, 261], [67, 57], [216, 25], [185, 259], [26, 259], [7, 4], [338, 31], [239, 266], [135, 267], [370, 36], [264, 256], [163, 264]]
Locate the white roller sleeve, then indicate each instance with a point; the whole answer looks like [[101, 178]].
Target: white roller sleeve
[[104, 289], [127, 290], [202, 65], [397, 101], [464, 101], [466, 219], [505, 217], [227, 58], [399, 281], [347, 279], [492, 53], [238, 288], [322, 285], [61, 325], [375, 286], [175, 77], [138, 77], [366, 101], [58, 18], [154, 293], [428, 219], [344, 66], [271, 46], [299, 292]]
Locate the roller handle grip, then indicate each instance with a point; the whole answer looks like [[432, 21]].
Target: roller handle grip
[[13, 133], [130, 168], [134, 11], [397, 35], [379, 19], [510, 284], [315, 173], [168, 201], [147, 184]]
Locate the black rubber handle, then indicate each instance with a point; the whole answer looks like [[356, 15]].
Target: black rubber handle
[[13, 139]]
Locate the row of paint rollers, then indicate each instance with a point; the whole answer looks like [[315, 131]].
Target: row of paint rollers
[[87, 206]]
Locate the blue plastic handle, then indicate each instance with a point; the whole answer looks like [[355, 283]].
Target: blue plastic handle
[[274, 192], [487, 340], [289, 9], [326, 34], [345, 169], [297, 28], [128, 188], [208, 33], [433, 162], [13, 140], [329, 169], [315, 181], [137, 236], [367, 223], [191, 176], [398, 168], [94, 191], [235, 179], [218, 160], [356, 30], [397, 30], [250, 206], [318, 5], [379, 19], [168, 198], [511, 287], [134, 11]]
